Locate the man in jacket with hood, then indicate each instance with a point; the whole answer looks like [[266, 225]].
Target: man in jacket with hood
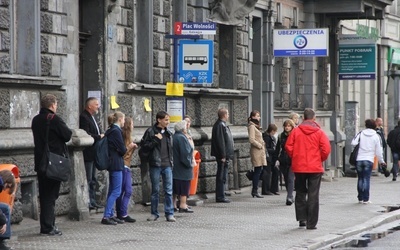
[[308, 146]]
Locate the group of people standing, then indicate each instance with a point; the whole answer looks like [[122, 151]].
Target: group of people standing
[[297, 155]]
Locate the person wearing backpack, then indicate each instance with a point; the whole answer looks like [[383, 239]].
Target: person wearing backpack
[[88, 123], [116, 151], [394, 143]]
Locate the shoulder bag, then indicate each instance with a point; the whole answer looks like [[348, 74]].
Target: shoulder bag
[[354, 153], [56, 167]]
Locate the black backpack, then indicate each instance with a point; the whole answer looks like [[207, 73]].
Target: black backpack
[[101, 157]]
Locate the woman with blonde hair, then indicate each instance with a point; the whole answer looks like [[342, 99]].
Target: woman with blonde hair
[[257, 149], [116, 151], [126, 191]]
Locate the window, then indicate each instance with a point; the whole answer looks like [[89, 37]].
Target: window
[[295, 23], [278, 13], [25, 32]]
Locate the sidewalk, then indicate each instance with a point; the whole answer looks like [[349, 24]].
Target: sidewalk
[[246, 223]]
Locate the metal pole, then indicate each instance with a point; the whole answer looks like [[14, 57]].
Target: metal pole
[[268, 69]]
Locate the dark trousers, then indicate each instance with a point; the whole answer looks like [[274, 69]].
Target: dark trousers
[[222, 171], [275, 173], [91, 180], [49, 190], [307, 197], [266, 179], [288, 175], [256, 178]]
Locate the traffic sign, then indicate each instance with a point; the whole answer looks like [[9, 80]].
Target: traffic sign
[[196, 61]]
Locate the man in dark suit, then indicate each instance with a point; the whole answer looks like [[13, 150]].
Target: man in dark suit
[[222, 149], [59, 134], [88, 123]]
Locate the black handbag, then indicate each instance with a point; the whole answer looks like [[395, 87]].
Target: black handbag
[[56, 167], [250, 174], [354, 153]]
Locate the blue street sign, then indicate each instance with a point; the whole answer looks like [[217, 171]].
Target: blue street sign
[[195, 65]]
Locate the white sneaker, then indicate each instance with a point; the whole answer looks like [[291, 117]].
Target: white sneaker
[[171, 218], [360, 202], [367, 202]]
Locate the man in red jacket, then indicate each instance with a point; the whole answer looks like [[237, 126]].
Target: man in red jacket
[[308, 146]]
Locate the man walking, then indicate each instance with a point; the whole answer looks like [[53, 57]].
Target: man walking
[[58, 135], [381, 133], [88, 123], [308, 146], [222, 149], [394, 144], [157, 142]]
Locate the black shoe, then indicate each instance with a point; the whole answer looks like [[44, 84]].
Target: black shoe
[[228, 194], [117, 220], [3, 245], [185, 210], [302, 223], [223, 201], [311, 228], [256, 195], [176, 209], [276, 193], [289, 202], [127, 219], [91, 207], [97, 206], [108, 221], [267, 193], [52, 232]]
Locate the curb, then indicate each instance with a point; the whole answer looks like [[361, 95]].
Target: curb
[[331, 238]]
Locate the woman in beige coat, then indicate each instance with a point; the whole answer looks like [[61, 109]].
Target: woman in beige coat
[[257, 149]]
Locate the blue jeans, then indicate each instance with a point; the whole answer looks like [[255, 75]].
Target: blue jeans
[[126, 192], [114, 191], [364, 169], [6, 211], [166, 174], [395, 169]]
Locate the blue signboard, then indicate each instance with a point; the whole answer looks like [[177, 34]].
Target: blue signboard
[[195, 64]]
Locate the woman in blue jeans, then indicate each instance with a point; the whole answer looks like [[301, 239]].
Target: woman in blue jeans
[[116, 151], [370, 145], [126, 191]]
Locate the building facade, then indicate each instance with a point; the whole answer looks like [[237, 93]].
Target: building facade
[[118, 51]]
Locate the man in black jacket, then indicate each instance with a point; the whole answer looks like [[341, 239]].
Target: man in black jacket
[[88, 123], [59, 134], [157, 142], [222, 149], [393, 137]]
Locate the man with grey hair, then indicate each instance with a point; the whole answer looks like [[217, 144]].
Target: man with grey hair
[[222, 149], [183, 166], [88, 122]]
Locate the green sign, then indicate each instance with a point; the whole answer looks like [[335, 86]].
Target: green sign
[[357, 61], [367, 32], [396, 56]]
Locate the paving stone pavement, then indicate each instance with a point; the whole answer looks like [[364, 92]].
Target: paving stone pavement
[[246, 223]]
